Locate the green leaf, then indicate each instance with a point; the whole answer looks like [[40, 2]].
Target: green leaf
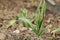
[[28, 23], [24, 13], [43, 30], [56, 30], [38, 7], [43, 10], [38, 16], [10, 23], [39, 19]]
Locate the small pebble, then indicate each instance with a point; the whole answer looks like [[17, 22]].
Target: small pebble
[[30, 29], [16, 31], [23, 29]]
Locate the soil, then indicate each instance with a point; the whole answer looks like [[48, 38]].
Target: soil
[[10, 9]]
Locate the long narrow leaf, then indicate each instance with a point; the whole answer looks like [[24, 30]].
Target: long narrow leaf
[[11, 23], [43, 9], [38, 15], [56, 30], [38, 7], [42, 12], [43, 30], [29, 23]]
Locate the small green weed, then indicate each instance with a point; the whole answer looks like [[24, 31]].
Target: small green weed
[[38, 17]]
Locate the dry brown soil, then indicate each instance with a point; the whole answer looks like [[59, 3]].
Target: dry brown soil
[[9, 9]]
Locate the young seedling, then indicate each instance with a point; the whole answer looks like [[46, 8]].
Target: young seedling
[[25, 15], [22, 15], [39, 17]]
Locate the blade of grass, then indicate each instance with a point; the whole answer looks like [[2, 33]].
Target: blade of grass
[[43, 10]]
